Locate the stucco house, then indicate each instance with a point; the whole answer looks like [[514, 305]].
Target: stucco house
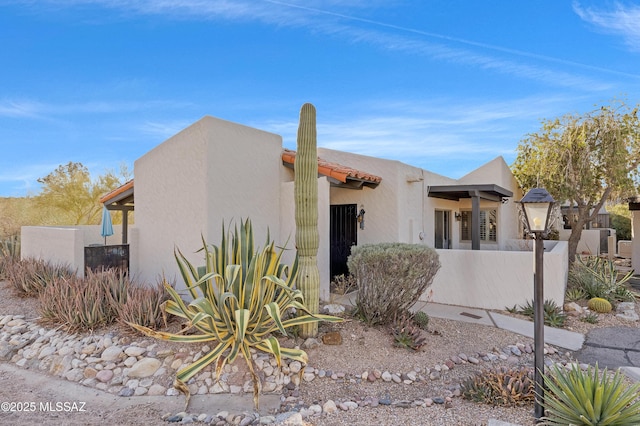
[[216, 171]]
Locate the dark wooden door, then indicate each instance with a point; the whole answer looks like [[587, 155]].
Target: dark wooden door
[[344, 234]]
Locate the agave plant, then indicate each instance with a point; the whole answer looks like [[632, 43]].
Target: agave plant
[[606, 282], [591, 397], [240, 297]]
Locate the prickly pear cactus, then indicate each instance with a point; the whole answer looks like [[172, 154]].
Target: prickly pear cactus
[[600, 305], [306, 199]]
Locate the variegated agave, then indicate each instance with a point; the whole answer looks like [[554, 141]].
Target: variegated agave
[[239, 299], [591, 397]]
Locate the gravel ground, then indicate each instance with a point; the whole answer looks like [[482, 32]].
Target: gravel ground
[[364, 349]]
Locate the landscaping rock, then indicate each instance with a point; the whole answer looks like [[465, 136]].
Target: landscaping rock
[[332, 338]]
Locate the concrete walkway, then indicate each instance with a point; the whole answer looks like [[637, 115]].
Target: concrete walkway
[[553, 336]]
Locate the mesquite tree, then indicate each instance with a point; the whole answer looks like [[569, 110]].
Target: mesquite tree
[[306, 198], [583, 161]]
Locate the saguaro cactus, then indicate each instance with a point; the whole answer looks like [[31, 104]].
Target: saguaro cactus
[[306, 198]]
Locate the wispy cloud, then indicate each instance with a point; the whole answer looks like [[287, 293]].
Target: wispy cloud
[[23, 179], [339, 19], [622, 20], [20, 109], [423, 133], [49, 110]]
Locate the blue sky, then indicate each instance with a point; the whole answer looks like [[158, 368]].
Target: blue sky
[[446, 85]]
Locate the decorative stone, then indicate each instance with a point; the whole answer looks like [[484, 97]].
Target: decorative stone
[[145, 367], [332, 338], [295, 366], [104, 375], [310, 343], [329, 407], [333, 309], [134, 351], [112, 353], [90, 372]]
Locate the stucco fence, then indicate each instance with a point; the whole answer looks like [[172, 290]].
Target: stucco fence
[[484, 279], [497, 279], [65, 244]]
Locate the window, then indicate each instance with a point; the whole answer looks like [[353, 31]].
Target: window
[[488, 225]]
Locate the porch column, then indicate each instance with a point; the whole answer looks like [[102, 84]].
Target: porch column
[[125, 223], [475, 220]]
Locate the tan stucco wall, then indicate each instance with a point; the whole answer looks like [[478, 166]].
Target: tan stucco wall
[[399, 209], [212, 171], [63, 244], [495, 280], [589, 241]]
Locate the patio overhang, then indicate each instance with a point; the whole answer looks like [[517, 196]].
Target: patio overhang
[[121, 199], [476, 193], [456, 192]]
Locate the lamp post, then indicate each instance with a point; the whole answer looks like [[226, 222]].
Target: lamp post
[[536, 206]]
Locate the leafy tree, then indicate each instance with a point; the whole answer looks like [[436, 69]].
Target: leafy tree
[[620, 220], [72, 196], [584, 160]]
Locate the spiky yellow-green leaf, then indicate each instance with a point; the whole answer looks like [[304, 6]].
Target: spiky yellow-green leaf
[[239, 299]]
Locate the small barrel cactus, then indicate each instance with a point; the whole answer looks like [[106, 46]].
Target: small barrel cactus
[[600, 305]]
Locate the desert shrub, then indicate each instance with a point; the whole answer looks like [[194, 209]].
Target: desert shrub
[[31, 276], [9, 253], [553, 315], [98, 299], [77, 303], [343, 284], [406, 333], [591, 397], [391, 277], [503, 386], [575, 294], [144, 305], [598, 277], [591, 318], [10, 247], [421, 319], [116, 286]]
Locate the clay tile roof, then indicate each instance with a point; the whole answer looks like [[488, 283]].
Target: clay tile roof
[[334, 170], [119, 190]]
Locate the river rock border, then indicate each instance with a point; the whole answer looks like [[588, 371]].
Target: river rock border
[[117, 365]]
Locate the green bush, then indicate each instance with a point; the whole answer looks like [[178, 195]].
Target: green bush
[[421, 319], [391, 277], [577, 397]]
